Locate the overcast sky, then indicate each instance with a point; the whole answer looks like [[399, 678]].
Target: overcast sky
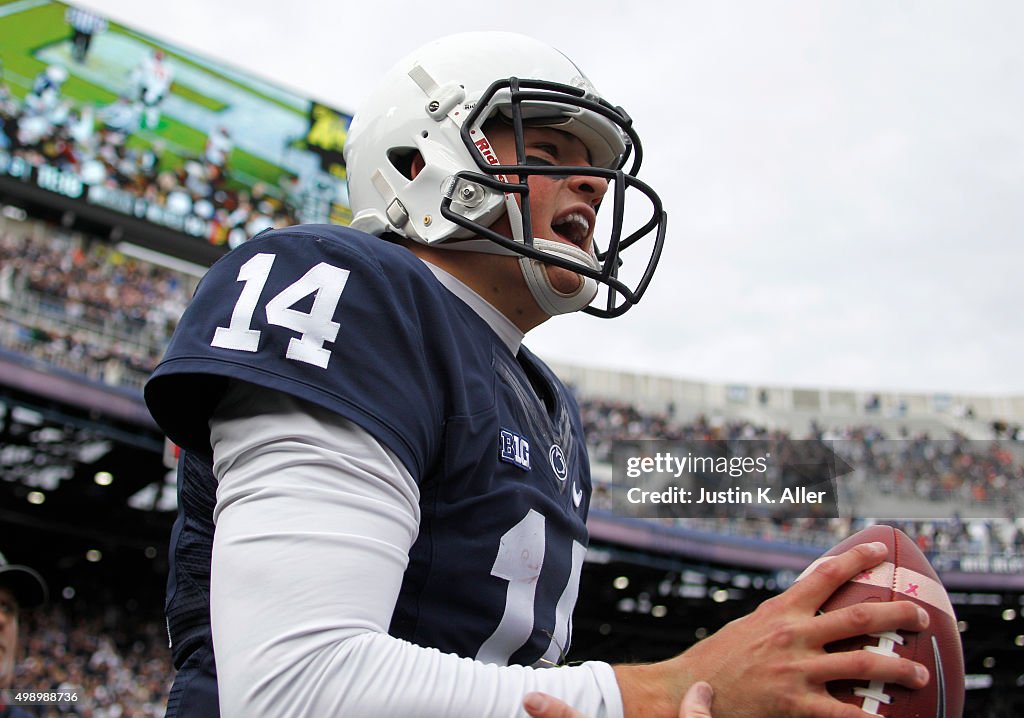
[[844, 179]]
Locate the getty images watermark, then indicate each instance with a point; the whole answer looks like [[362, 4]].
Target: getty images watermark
[[735, 479]]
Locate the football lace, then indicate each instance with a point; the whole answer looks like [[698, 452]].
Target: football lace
[[875, 695]]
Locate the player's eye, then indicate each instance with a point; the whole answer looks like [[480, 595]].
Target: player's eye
[[534, 161]]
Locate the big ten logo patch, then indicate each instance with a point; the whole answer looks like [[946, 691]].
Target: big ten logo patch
[[515, 449]]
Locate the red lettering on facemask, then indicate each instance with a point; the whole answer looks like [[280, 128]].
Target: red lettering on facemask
[[488, 154], [485, 149]]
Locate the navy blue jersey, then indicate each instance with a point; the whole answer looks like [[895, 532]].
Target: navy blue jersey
[[363, 328]]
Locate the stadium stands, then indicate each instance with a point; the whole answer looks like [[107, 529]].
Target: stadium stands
[[81, 305], [114, 661]]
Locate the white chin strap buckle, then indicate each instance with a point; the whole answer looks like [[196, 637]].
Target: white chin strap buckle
[[550, 300]]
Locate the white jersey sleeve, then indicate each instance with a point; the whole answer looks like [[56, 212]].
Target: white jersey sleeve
[[314, 522]]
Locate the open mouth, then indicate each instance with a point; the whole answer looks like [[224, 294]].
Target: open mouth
[[573, 228]]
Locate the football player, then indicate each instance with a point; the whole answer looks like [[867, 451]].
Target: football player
[[383, 493], [152, 79]]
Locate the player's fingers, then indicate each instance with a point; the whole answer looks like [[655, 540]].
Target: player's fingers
[[812, 590], [862, 665], [697, 701], [541, 705], [825, 706], [863, 619]]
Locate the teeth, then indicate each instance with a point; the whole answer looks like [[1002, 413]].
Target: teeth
[[579, 219], [582, 226]]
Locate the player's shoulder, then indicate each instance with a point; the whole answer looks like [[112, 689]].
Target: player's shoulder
[[372, 281], [327, 314], [335, 244], [329, 235]]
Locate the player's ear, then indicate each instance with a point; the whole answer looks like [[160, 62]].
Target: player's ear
[[417, 164]]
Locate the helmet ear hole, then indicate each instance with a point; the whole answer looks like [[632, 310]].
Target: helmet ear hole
[[417, 165], [405, 161]]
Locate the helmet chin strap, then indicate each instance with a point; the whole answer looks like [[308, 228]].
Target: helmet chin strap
[[549, 299]]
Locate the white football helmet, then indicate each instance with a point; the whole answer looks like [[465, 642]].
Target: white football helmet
[[435, 103]]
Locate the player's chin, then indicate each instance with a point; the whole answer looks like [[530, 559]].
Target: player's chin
[[564, 281]]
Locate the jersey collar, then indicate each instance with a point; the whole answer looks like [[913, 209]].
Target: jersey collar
[[508, 332]]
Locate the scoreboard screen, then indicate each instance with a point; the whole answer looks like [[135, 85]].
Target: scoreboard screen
[[131, 131]]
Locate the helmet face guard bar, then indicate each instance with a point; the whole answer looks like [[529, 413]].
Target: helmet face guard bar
[[620, 296]]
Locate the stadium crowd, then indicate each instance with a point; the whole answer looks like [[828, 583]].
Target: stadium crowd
[[919, 466], [987, 476], [81, 305], [115, 662]]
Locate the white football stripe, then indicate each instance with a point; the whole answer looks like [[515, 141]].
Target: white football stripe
[[903, 581]]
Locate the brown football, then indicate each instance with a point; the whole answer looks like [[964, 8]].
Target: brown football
[[905, 574]]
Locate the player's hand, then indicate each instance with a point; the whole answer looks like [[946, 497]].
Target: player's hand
[[772, 663], [696, 704]]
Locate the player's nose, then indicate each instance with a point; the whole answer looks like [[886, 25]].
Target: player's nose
[[593, 188]]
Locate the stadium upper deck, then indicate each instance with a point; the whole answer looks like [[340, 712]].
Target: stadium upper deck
[[792, 408]]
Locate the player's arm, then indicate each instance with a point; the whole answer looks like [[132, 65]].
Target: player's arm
[[772, 662], [314, 522], [696, 704]]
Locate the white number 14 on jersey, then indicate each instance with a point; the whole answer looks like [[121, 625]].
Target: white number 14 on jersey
[[315, 327]]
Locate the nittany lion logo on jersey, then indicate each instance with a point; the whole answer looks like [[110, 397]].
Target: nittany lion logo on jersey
[[557, 459]]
